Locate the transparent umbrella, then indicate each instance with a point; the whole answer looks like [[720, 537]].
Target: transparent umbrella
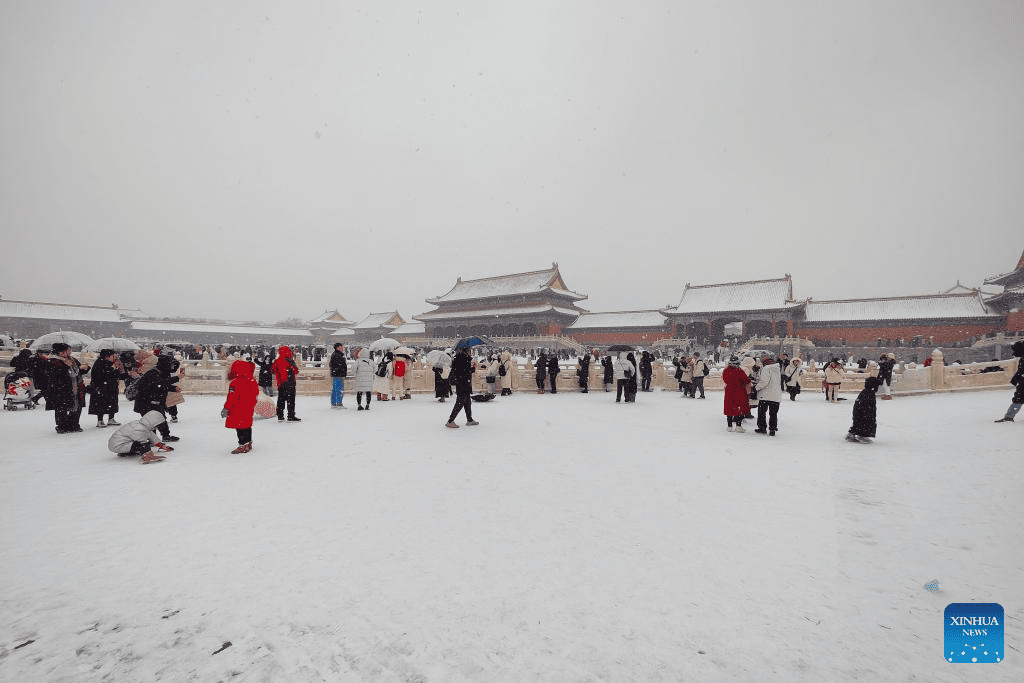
[[384, 344], [113, 343], [76, 340]]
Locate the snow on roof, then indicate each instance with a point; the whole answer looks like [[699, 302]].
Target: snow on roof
[[379, 320], [898, 308], [330, 317], [410, 328], [343, 332], [737, 296], [33, 309], [477, 313], [221, 329], [1014, 277], [508, 285], [619, 319]]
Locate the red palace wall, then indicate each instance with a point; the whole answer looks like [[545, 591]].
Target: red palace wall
[[938, 333], [1014, 322]]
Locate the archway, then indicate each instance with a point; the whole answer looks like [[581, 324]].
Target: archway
[[758, 328]]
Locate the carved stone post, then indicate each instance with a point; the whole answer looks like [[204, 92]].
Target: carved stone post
[[937, 371]]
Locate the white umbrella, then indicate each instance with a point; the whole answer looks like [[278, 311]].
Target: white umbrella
[[113, 343], [439, 358], [76, 340], [6, 341], [384, 344]]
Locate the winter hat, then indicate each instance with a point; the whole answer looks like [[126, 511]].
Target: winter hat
[[733, 360], [1018, 349], [165, 364], [60, 347], [872, 383], [891, 356]]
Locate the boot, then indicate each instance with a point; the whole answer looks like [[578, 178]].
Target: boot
[[243, 448], [100, 423], [113, 423], [151, 457]]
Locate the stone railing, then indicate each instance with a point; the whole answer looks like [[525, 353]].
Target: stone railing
[[210, 377]]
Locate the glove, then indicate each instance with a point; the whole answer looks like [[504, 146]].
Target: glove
[[223, 412], [160, 446]]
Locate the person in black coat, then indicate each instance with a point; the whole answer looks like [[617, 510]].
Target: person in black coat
[[339, 371], [153, 389], [646, 371], [609, 372], [631, 383], [864, 412], [583, 372], [553, 370], [103, 388], [266, 376], [65, 390], [22, 362], [461, 377], [1018, 381]]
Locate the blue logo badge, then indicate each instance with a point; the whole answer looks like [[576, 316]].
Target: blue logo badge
[[974, 633]]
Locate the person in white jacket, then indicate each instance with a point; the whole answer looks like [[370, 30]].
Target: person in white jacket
[[139, 437], [791, 375], [769, 395]]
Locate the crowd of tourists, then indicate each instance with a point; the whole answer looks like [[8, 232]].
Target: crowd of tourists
[[754, 386]]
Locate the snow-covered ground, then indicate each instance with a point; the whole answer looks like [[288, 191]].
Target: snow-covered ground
[[566, 538]]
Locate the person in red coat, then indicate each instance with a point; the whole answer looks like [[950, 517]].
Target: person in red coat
[[243, 391], [285, 372], [737, 394]]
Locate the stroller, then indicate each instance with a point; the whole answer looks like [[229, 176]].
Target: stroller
[[18, 391]]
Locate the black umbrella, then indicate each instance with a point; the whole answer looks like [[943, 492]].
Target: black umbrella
[[480, 340], [618, 348]]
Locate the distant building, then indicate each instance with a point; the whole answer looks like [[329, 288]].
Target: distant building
[[519, 305], [623, 327], [326, 324], [1009, 302], [32, 319], [377, 325], [158, 331], [764, 307], [938, 318]]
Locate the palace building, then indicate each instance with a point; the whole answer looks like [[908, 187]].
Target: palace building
[[764, 307], [520, 305]]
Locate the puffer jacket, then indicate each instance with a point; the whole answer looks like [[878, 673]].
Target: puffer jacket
[[243, 392], [141, 430], [769, 383]]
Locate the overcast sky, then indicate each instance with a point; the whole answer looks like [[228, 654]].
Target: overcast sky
[[258, 160]]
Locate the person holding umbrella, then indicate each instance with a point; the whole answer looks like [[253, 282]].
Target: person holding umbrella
[[65, 390], [461, 377]]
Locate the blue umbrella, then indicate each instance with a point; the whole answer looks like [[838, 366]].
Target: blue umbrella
[[467, 342]]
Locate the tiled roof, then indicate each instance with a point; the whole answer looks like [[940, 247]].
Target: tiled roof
[[619, 319], [344, 332], [898, 308], [755, 295], [508, 285], [144, 326], [332, 317], [1013, 278], [409, 329], [377, 320], [32, 309], [478, 313]]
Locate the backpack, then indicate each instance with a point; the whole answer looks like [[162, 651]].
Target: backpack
[[131, 391], [707, 371], [399, 368], [501, 370], [382, 369]]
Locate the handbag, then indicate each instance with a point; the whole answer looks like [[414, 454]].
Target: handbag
[[131, 391]]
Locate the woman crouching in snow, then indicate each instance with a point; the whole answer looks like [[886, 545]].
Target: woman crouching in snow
[[139, 437], [243, 392]]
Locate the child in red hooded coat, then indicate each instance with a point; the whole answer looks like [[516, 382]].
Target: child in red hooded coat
[[243, 391]]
